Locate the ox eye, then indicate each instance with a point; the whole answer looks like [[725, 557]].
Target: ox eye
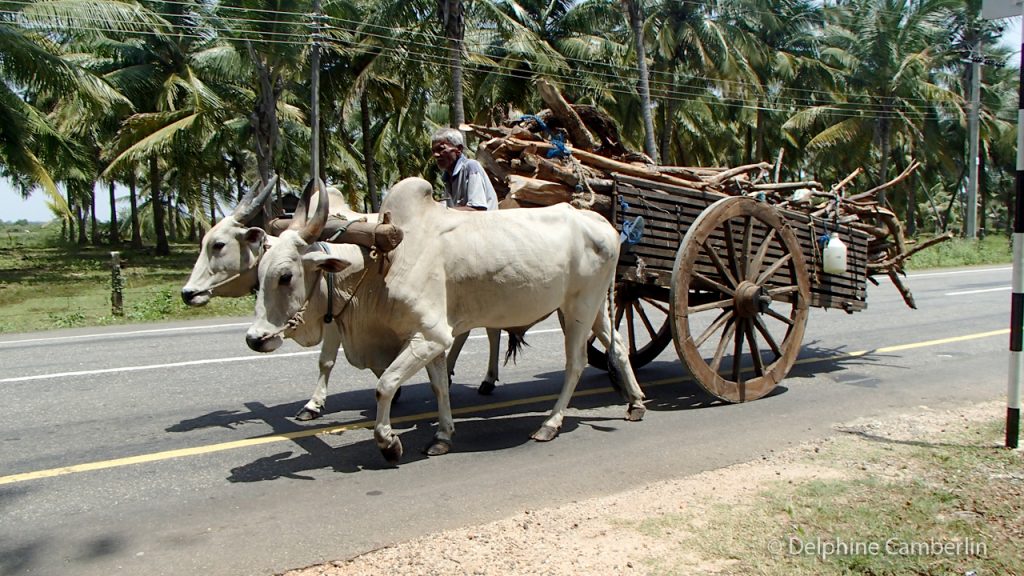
[[218, 246], [285, 279]]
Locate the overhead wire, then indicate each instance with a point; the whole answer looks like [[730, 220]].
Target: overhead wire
[[669, 87], [667, 90], [433, 39]]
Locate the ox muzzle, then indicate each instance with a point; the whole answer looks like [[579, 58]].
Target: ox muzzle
[[263, 341], [195, 298]]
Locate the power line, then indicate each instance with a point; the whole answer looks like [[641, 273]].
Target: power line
[[670, 91]]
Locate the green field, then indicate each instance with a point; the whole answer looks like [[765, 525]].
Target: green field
[[45, 285]]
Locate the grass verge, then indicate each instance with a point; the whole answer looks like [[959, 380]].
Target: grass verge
[[874, 501], [44, 287]]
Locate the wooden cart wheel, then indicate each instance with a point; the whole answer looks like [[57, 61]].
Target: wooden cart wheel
[[648, 328], [739, 300]]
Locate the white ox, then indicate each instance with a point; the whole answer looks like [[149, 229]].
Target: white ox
[[454, 271], [226, 267]]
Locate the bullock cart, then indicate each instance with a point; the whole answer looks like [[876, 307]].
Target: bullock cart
[[723, 262]]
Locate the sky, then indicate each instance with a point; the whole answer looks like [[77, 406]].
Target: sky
[[14, 208]]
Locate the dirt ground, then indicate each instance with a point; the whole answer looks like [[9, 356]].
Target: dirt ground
[[606, 536]]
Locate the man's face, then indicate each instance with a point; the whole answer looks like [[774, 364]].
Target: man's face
[[445, 154]]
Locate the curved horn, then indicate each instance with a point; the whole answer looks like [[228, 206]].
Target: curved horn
[[302, 208], [311, 230], [252, 202]]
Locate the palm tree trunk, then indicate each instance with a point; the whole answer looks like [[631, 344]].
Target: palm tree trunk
[[94, 233], [883, 162], [982, 195], [668, 114], [133, 202], [115, 237], [157, 204], [264, 116], [452, 18], [213, 203], [172, 217], [371, 177], [636, 23], [80, 216], [69, 220]]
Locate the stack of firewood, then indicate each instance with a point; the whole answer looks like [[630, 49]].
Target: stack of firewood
[[569, 153]]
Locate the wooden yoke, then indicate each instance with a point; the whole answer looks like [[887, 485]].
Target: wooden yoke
[[384, 236]]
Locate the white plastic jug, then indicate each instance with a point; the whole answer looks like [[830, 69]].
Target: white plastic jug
[[834, 255]]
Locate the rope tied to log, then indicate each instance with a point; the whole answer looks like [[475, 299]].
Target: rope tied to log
[[814, 252], [584, 197]]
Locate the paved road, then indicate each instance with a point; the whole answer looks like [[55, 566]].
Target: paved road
[[170, 449]]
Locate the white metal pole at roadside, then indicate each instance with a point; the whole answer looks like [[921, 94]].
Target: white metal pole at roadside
[[1017, 299], [994, 10]]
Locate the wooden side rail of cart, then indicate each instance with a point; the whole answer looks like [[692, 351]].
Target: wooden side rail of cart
[[729, 279]]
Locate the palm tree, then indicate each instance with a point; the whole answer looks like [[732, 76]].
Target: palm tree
[[775, 63], [885, 52], [635, 12], [36, 77], [453, 23]]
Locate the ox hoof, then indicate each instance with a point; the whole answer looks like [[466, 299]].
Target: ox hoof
[[393, 452], [635, 412], [545, 434], [438, 447], [486, 388], [306, 414]]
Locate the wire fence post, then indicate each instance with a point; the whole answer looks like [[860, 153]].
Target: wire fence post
[[116, 285]]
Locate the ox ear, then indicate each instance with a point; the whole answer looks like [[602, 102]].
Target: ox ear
[[255, 236], [326, 262]]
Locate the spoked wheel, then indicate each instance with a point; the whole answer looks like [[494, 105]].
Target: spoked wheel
[[739, 300], [648, 324]]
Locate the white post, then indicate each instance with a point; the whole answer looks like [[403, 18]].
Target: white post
[[1017, 298], [994, 10]]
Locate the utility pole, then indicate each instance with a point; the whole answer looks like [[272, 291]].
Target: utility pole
[[971, 218]]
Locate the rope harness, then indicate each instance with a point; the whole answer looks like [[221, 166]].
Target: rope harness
[[329, 277]]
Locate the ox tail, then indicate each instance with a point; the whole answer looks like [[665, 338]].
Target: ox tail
[[516, 341]]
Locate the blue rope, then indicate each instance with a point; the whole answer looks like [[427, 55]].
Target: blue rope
[[536, 119], [559, 150], [632, 231]]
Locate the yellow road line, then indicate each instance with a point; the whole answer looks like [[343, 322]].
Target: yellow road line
[[366, 424]]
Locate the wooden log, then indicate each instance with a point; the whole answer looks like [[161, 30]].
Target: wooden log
[[904, 291], [607, 164], [486, 131], [836, 189], [579, 135], [683, 172], [788, 185], [721, 177], [871, 193], [536, 191], [548, 170], [497, 172]]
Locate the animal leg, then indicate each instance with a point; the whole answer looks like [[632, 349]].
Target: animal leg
[[619, 362], [328, 356], [442, 442], [453, 353], [494, 342], [575, 359], [415, 354]]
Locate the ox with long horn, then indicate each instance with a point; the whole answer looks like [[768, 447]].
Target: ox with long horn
[[229, 252]]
